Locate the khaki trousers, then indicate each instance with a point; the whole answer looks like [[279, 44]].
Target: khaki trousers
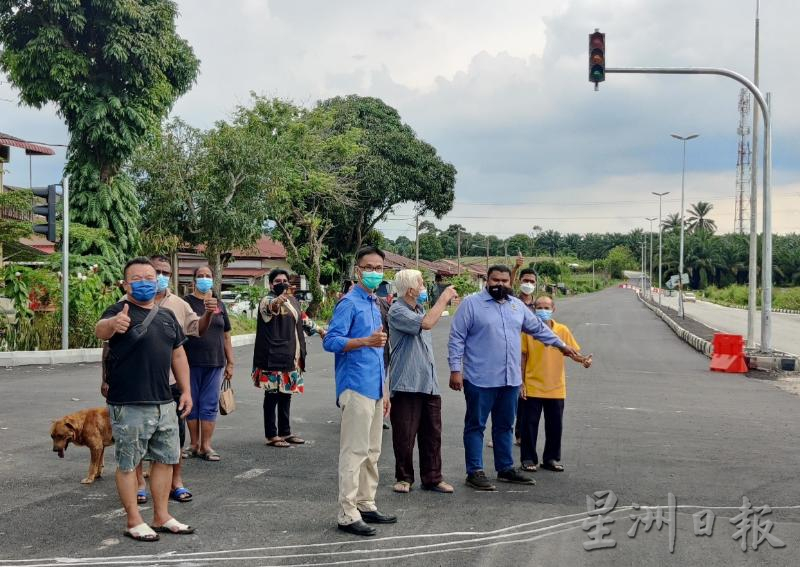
[[359, 449]]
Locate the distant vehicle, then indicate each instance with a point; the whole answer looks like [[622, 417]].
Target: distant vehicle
[[689, 297], [7, 310], [235, 304]]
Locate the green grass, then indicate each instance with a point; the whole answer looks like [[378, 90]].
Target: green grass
[[241, 325], [736, 295]]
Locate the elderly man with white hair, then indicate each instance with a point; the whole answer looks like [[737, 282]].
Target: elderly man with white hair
[[416, 409]]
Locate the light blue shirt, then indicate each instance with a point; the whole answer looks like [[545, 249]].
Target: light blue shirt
[[361, 370], [485, 339]]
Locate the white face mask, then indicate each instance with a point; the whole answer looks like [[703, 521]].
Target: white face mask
[[527, 288]]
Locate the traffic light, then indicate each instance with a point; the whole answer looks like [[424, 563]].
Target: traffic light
[[48, 211], [597, 58]]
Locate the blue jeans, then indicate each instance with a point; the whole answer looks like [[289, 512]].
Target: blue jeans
[[501, 403]]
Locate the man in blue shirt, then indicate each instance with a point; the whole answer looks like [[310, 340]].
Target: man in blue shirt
[[357, 337], [485, 361]]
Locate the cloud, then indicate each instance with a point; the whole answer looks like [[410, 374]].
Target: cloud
[[501, 89]]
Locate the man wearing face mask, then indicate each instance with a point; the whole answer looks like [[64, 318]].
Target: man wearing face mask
[[145, 344], [543, 391], [484, 357], [357, 337], [279, 357]]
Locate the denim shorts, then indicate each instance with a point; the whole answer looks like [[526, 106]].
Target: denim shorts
[[147, 432]]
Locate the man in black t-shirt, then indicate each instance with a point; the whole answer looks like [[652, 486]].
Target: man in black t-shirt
[[143, 417]]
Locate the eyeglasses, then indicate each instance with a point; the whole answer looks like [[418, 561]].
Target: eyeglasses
[[369, 268]]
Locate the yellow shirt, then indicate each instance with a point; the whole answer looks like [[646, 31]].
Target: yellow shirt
[[544, 369]]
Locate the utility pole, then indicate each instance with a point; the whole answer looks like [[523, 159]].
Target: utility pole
[[650, 270], [487, 257], [416, 238], [65, 266], [459, 250], [505, 250], [660, 232], [752, 272], [643, 264]]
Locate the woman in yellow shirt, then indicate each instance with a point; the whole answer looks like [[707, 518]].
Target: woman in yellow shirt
[[544, 387]]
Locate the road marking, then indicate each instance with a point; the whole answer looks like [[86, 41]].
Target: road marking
[[252, 473], [118, 513]]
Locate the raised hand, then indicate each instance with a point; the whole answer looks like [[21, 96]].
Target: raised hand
[[449, 294], [376, 339], [122, 321]]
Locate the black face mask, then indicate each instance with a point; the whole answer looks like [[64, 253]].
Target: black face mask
[[498, 292], [279, 288]]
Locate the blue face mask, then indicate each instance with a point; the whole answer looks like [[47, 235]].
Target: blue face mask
[[371, 280], [544, 314], [162, 282], [422, 297], [143, 290], [204, 284]]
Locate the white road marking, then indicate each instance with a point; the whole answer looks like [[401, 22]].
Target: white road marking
[[118, 513], [252, 473]]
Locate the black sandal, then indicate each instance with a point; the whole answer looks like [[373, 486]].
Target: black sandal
[[553, 466], [529, 467]]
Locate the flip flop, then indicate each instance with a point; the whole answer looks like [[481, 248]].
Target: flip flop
[[142, 532], [141, 496], [402, 487], [210, 456], [180, 494], [441, 487], [529, 467], [294, 440], [277, 443], [553, 466], [173, 526], [189, 453]]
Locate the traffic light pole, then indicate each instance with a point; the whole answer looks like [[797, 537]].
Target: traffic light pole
[[763, 103], [65, 267]]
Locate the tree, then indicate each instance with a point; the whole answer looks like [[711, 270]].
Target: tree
[[15, 205], [519, 243], [618, 260], [698, 220], [396, 167], [113, 68], [430, 247], [672, 223], [550, 241], [312, 181], [205, 189]]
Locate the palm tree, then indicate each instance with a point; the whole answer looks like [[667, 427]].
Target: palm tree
[[672, 223], [698, 218]]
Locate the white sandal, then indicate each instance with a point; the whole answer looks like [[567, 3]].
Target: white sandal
[[142, 532]]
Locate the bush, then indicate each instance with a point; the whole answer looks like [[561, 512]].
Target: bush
[[463, 284]]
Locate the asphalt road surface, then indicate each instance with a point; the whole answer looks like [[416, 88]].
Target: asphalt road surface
[[648, 419], [785, 326]]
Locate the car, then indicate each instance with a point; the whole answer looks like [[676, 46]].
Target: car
[[689, 297], [7, 310]]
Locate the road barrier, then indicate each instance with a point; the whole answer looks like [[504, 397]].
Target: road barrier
[[728, 355]]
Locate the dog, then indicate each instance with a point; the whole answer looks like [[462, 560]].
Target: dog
[[86, 428]]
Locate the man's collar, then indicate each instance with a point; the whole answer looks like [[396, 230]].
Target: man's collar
[[364, 293]]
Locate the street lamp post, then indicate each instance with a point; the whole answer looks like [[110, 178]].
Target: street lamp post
[[660, 231], [650, 269], [684, 139]]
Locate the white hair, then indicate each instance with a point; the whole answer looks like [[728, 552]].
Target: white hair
[[405, 280]]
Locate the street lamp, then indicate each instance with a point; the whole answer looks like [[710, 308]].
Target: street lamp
[[660, 231], [683, 139], [650, 271]]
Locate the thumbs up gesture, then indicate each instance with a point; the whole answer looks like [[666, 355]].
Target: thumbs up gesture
[[122, 320], [376, 339]]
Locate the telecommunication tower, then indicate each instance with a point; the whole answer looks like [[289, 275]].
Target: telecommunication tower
[[741, 222]]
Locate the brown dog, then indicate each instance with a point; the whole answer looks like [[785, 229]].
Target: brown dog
[[86, 428]]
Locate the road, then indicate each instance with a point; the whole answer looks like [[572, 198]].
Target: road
[[646, 420], [785, 326]]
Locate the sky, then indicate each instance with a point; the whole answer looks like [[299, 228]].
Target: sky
[[501, 90]]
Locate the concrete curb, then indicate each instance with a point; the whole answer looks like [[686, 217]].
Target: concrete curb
[[78, 355], [699, 344]]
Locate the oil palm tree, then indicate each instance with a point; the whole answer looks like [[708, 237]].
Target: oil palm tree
[[672, 223], [698, 218]]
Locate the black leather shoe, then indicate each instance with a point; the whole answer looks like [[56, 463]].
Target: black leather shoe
[[358, 528], [378, 518], [513, 475]]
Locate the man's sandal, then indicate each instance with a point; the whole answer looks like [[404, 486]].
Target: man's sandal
[[173, 526], [553, 466], [294, 440], [402, 487], [180, 494], [277, 443], [529, 467], [142, 532], [441, 487], [141, 496]]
